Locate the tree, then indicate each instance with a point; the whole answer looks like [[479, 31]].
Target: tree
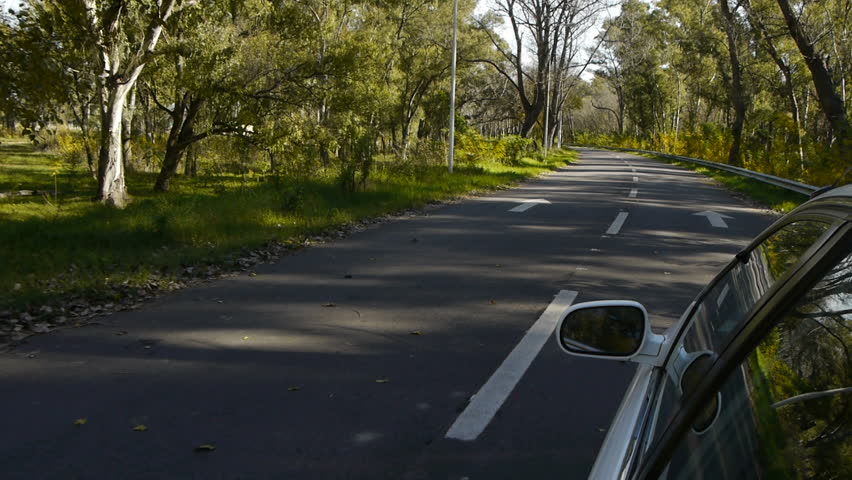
[[122, 52], [555, 28], [832, 104], [737, 95]]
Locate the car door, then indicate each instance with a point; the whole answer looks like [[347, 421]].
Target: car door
[[752, 342]]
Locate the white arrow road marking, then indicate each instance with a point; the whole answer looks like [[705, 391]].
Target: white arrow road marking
[[484, 405], [714, 218], [617, 223]]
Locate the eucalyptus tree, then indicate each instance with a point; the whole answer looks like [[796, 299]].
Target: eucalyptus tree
[[124, 37], [807, 38], [551, 30], [772, 40], [209, 73]]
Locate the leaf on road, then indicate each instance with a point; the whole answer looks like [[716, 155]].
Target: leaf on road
[[207, 447], [329, 305], [246, 338], [81, 421], [140, 428], [492, 302], [252, 274], [382, 380], [416, 332], [41, 328], [294, 388], [123, 332]]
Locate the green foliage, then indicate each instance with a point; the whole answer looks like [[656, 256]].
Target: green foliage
[[517, 147], [55, 253]]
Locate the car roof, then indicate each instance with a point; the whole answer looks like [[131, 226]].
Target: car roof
[[844, 191]]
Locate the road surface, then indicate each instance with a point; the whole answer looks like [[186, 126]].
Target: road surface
[[354, 359]]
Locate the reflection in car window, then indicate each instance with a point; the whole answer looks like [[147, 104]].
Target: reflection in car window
[[787, 411], [724, 308]]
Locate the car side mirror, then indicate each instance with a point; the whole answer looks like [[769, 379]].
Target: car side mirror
[[611, 329]]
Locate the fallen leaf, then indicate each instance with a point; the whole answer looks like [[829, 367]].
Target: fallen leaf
[[601, 429], [294, 388], [382, 380], [245, 338], [252, 274], [123, 332], [329, 304], [140, 428], [492, 302], [205, 448], [416, 332], [41, 327], [81, 421]]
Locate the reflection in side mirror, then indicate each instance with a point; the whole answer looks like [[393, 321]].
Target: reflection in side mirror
[[604, 329], [698, 365]]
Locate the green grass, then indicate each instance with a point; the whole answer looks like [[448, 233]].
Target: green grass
[[69, 246]]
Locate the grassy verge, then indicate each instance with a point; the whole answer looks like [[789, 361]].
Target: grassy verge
[[56, 248]]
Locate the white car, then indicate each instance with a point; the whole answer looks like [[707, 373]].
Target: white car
[[755, 379]]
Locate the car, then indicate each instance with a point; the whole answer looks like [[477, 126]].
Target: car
[[755, 378]]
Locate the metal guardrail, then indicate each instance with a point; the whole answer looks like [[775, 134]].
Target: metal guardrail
[[784, 183]]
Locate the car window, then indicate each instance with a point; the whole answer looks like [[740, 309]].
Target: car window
[[786, 412], [724, 309]]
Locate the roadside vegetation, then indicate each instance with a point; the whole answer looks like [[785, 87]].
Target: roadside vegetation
[[165, 136], [759, 84], [58, 244]]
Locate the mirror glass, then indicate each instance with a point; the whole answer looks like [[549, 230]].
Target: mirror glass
[[604, 330]]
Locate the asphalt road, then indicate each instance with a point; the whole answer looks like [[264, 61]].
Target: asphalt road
[[285, 385]]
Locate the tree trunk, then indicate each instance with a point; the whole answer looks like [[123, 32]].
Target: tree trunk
[[117, 74], [127, 130], [111, 187], [830, 101], [181, 136], [737, 95], [85, 129]]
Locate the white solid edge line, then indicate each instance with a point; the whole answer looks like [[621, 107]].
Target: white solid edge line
[[484, 405], [617, 223], [634, 192]]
